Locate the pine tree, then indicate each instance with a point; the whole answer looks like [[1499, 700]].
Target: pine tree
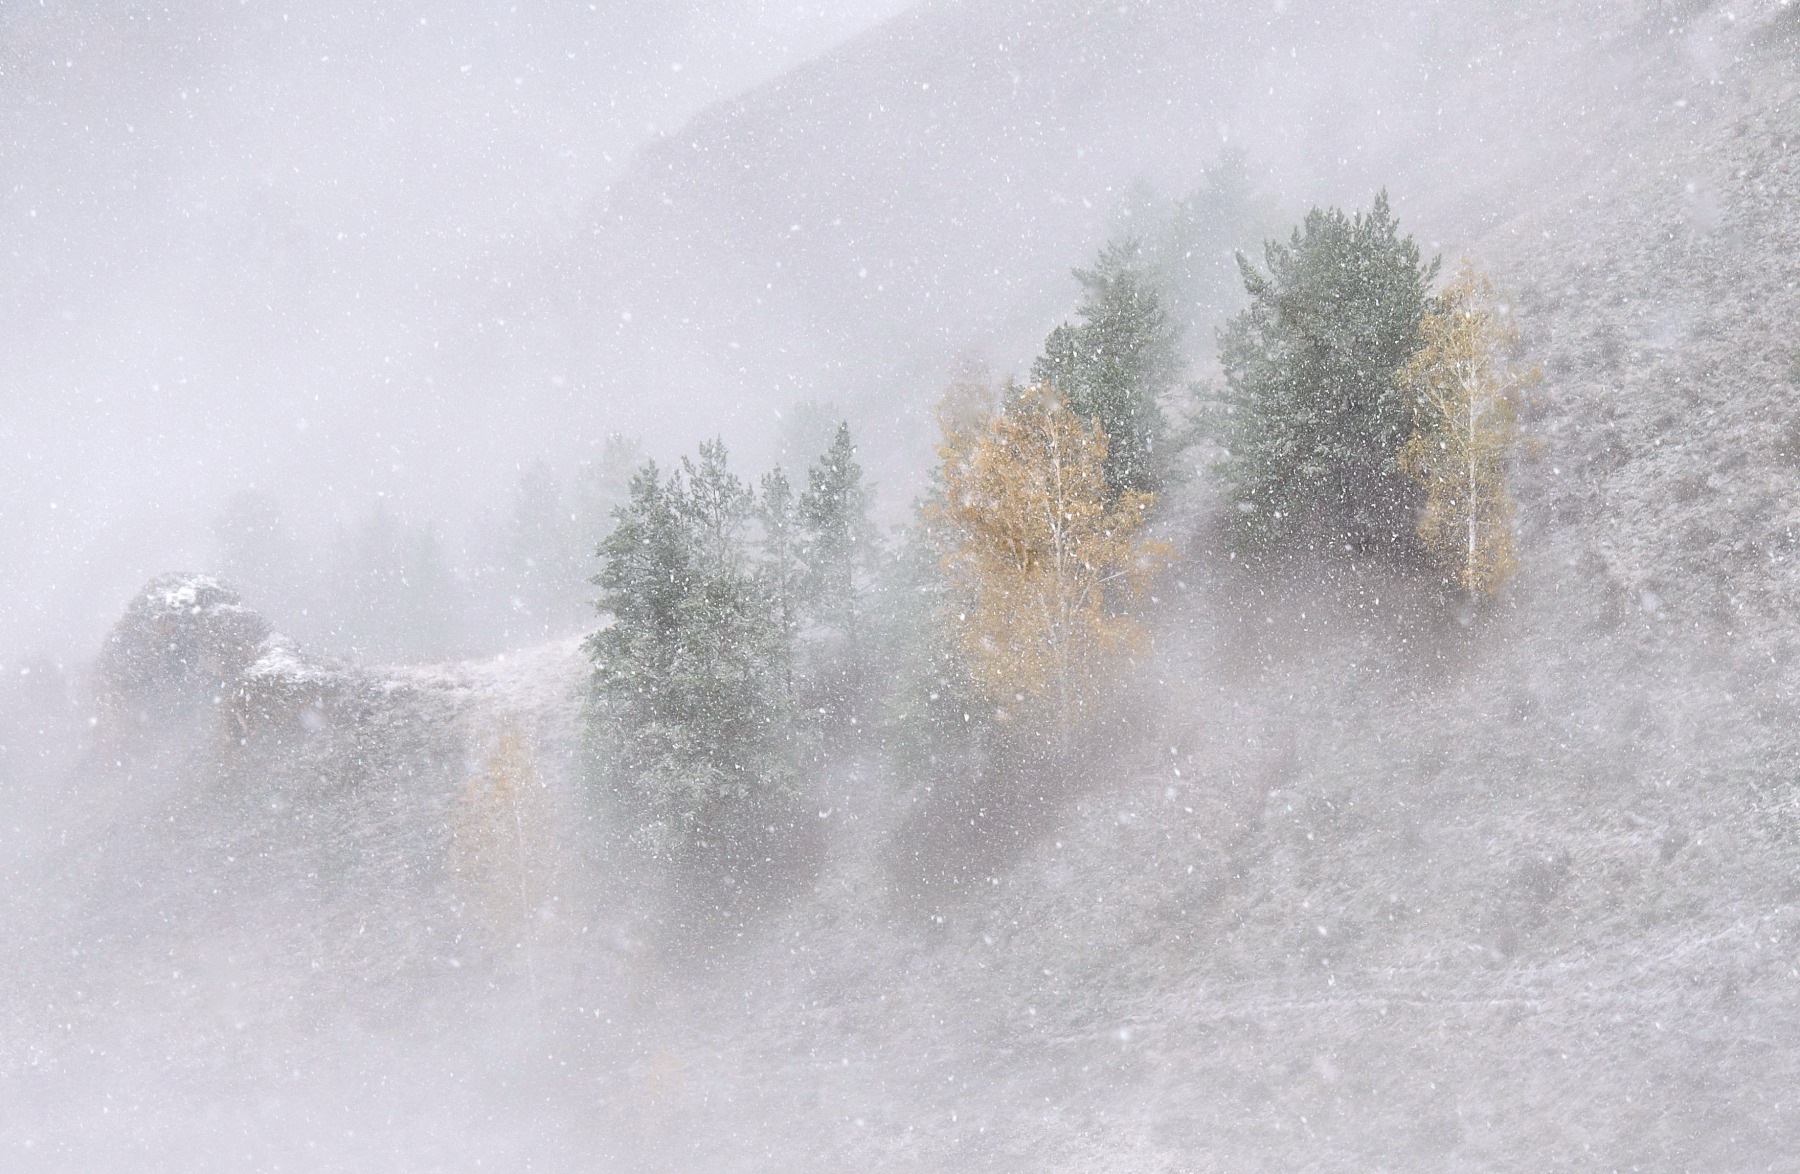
[[1467, 399], [1048, 556], [645, 578], [1314, 415], [690, 685], [783, 572], [837, 548], [1114, 367], [838, 540]]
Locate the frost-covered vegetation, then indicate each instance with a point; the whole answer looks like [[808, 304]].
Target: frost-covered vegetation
[[734, 645]]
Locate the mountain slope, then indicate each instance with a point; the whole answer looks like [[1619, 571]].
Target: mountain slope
[[1359, 879], [1373, 883], [852, 229]]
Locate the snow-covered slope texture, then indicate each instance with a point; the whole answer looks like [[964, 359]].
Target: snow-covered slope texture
[[1379, 885]]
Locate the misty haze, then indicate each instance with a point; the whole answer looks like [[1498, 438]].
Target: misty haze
[[917, 585]]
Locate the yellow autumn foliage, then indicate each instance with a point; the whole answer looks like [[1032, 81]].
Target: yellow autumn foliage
[[1467, 396], [502, 850], [1046, 553]]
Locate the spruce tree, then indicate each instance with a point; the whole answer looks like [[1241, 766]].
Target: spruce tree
[[1314, 417], [837, 546], [783, 573], [836, 535], [691, 679], [1114, 366], [644, 581], [781, 570]]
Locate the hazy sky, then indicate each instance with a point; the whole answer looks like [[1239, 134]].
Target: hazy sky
[[293, 247]]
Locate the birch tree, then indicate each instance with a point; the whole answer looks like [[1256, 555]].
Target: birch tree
[[503, 848], [1467, 397], [1047, 554]]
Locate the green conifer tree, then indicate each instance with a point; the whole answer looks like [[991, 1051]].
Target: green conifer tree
[[783, 573], [690, 687], [838, 547], [644, 581], [1117, 363], [1313, 415], [836, 535]]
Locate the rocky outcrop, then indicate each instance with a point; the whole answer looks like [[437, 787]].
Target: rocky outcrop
[[182, 644]]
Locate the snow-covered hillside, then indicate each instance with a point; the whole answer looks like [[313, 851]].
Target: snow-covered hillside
[[1358, 879], [941, 174]]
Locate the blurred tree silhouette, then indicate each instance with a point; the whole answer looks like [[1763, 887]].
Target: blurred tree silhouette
[[838, 544], [393, 594], [1115, 365]]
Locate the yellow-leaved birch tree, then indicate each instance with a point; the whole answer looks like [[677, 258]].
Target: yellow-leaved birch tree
[[1047, 553], [503, 848], [1467, 397]]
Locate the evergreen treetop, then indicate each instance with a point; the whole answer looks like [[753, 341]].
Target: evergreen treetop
[[645, 576], [716, 506], [691, 677], [838, 541], [1314, 415], [782, 570], [1116, 364]]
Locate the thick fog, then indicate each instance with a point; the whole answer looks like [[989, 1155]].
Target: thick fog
[[332, 336], [314, 250]]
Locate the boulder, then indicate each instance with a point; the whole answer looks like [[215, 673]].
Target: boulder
[[182, 644]]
